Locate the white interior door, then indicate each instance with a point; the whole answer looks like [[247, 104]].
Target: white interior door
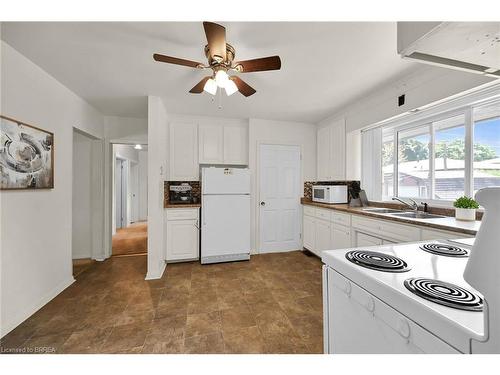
[[279, 198], [134, 192], [120, 194]]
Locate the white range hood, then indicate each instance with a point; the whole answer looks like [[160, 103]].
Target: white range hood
[[468, 46]]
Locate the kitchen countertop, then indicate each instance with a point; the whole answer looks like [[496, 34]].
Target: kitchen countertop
[[181, 205], [447, 223]]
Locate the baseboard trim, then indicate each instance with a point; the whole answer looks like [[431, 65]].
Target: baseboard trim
[[26, 313], [157, 275]]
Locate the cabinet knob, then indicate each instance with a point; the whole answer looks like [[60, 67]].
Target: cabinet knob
[[262, 203]]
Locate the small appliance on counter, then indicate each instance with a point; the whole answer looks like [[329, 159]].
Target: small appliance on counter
[[331, 194], [179, 194]]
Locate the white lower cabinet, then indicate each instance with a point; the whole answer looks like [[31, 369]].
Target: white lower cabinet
[[362, 239], [330, 229], [321, 231], [309, 229], [341, 236], [323, 236], [183, 234]]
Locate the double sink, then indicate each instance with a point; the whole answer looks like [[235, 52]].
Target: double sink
[[403, 214]]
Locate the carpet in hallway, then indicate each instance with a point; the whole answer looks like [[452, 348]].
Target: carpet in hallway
[[131, 240]]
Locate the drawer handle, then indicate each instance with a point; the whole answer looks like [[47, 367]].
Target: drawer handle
[[370, 304], [404, 328], [347, 288]]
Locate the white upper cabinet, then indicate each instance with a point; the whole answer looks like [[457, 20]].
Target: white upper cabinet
[[331, 151], [223, 144], [323, 145], [235, 145], [337, 142], [183, 152], [211, 144]]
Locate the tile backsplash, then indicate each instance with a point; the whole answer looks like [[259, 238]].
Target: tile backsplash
[[196, 185], [353, 187]]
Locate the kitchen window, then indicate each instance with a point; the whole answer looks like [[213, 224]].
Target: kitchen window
[[441, 157], [486, 130]]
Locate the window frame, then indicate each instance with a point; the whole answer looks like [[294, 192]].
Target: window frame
[[467, 111]]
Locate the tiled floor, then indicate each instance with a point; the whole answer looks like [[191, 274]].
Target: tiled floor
[[131, 240], [271, 304]]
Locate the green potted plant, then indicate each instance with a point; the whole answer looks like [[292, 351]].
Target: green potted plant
[[465, 208]]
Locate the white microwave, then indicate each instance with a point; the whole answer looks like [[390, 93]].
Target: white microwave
[[329, 193]]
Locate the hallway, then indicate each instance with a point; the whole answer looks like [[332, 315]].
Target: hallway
[[131, 240]]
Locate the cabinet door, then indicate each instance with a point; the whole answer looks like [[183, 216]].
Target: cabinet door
[[341, 237], [363, 239], [323, 236], [337, 152], [182, 239], [323, 152], [235, 145], [183, 152], [309, 233], [211, 144]]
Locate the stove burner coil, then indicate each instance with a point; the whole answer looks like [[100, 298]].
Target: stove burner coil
[[377, 261], [446, 250], [444, 293]]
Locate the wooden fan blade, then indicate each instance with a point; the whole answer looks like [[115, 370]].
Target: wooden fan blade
[[198, 88], [259, 65], [216, 38], [176, 61], [242, 86]]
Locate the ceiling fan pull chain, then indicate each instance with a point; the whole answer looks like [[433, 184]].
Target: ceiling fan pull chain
[[220, 98]]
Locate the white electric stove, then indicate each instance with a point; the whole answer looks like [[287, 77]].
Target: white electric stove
[[425, 297], [408, 298]]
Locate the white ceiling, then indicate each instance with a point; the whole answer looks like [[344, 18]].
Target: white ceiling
[[324, 65]]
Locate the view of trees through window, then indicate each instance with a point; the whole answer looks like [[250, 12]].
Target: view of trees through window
[[413, 163], [448, 160]]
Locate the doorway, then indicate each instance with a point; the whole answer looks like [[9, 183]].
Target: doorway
[[129, 220], [279, 198], [87, 201]]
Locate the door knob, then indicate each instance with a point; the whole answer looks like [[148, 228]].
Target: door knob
[[262, 203]]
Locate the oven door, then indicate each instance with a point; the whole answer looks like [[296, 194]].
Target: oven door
[[319, 194]]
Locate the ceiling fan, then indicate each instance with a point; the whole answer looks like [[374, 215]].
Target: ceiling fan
[[220, 57]]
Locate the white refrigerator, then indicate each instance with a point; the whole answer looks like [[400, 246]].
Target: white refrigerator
[[225, 211]]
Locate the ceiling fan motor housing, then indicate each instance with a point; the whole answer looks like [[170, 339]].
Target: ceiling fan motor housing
[[230, 53]]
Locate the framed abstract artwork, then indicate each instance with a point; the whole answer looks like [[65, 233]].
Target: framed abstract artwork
[[26, 156]]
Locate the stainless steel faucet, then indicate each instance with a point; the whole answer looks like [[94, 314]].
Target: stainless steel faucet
[[413, 205]]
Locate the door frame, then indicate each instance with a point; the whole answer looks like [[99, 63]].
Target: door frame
[[258, 249], [97, 193]]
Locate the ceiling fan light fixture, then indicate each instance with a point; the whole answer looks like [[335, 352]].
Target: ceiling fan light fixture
[[210, 86], [230, 87], [221, 78]]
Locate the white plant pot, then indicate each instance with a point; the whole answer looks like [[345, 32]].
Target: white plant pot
[[466, 214]]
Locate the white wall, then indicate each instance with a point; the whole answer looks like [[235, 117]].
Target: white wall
[[424, 86], [157, 167], [279, 132], [36, 257], [82, 174], [126, 129]]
